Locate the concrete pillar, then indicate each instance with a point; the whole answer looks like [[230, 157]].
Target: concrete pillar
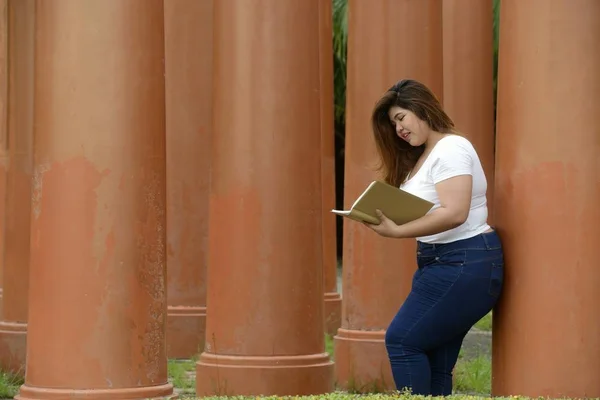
[[188, 38], [333, 300], [98, 309], [468, 77], [264, 327], [378, 271], [3, 131], [546, 340], [13, 327]]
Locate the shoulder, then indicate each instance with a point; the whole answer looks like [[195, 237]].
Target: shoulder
[[454, 143], [453, 148], [453, 155]]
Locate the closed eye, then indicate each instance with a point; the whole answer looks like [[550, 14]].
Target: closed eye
[[399, 117]]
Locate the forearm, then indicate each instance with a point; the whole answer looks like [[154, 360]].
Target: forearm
[[439, 220]]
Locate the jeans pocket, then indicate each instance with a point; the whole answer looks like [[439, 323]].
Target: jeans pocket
[[456, 258], [425, 260], [496, 279]]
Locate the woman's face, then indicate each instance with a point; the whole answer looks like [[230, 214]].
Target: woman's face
[[408, 126]]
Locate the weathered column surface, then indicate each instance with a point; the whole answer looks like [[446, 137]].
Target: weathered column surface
[[468, 77], [264, 327], [13, 327], [546, 338], [188, 38], [4, 158], [333, 300], [98, 308], [378, 271]]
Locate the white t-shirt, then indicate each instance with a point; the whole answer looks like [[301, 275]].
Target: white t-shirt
[[453, 155]]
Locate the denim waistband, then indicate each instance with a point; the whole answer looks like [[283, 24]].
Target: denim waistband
[[483, 241]]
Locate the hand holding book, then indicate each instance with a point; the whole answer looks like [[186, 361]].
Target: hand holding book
[[386, 227], [394, 204]]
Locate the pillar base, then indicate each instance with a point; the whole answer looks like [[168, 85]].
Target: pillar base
[[185, 331], [332, 312], [150, 392], [266, 376], [13, 347], [361, 361]]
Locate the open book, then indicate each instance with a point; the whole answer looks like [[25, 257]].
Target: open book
[[395, 203]]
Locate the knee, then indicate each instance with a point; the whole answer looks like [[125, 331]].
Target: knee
[[399, 345]]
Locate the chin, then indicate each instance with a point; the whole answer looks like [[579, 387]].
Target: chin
[[416, 143]]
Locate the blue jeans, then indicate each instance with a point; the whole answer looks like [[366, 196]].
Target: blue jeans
[[455, 285]]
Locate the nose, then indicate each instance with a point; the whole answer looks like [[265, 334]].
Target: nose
[[398, 128]]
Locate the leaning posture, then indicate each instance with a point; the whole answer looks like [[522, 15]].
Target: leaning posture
[[460, 259]]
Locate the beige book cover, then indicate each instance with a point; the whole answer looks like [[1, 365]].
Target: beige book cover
[[395, 203]]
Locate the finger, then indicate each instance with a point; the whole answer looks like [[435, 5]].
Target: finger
[[370, 226], [380, 215]]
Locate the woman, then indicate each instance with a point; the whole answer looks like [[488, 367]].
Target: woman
[[459, 256]]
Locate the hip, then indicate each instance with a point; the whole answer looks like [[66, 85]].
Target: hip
[[484, 249]]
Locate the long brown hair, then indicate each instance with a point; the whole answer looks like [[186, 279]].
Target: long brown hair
[[398, 157]]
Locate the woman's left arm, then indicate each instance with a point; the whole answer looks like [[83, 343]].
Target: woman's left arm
[[455, 201]]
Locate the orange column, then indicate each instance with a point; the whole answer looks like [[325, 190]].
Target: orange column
[[468, 77], [264, 327], [13, 327], [188, 38], [378, 271], [333, 300], [546, 337], [4, 159], [97, 311]]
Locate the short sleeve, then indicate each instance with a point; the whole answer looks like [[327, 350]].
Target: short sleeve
[[453, 158]]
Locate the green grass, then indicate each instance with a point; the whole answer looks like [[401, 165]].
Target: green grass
[[346, 396], [9, 385], [485, 323], [182, 375], [473, 376], [329, 345]]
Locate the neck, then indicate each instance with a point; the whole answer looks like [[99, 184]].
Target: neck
[[434, 137]]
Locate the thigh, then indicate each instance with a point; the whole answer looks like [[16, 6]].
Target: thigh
[[420, 320], [444, 302]]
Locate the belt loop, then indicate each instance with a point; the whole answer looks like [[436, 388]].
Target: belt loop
[[486, 242]]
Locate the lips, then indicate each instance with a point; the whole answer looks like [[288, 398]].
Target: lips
[[404, 134]]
